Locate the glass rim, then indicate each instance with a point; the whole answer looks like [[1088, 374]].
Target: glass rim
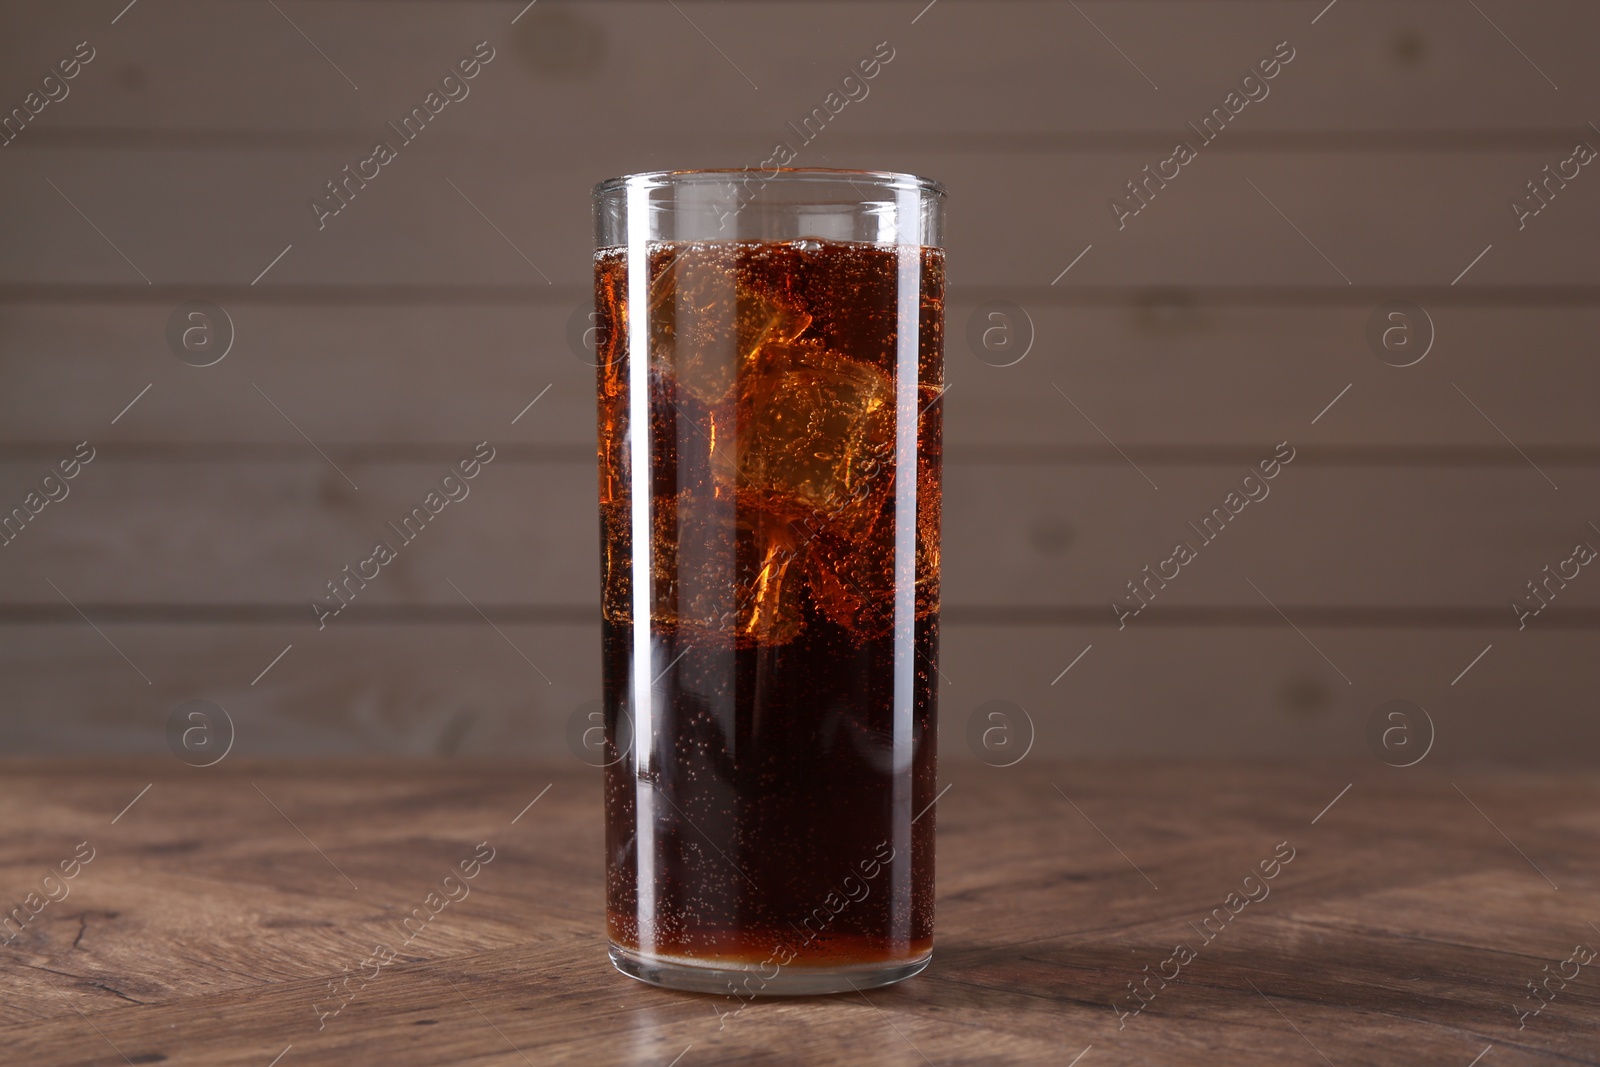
[[877, 179]]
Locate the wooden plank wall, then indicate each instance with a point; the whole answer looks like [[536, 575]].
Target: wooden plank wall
[[1219, 321]]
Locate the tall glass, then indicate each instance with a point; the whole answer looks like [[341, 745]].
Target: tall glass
[[770, 349]]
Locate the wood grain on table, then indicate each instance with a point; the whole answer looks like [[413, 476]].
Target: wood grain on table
[[218, 909]]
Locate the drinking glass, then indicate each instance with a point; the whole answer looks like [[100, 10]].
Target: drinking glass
[[770, 373]]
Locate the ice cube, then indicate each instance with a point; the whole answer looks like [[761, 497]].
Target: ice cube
[[930, 497], [770, 585], [729, 575], [708, 319], [692, 562], [614, 553], [815, 437], [852, 580], [852, 584], [929, 505], [715, 574]]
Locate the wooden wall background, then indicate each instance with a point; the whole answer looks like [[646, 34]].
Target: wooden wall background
[[1195, 339]]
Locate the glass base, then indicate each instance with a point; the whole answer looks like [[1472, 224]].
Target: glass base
[[731, 979]]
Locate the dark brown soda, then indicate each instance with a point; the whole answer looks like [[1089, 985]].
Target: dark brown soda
[[780, 813]]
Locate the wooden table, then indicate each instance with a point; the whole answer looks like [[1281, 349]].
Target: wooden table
[[219, 907]]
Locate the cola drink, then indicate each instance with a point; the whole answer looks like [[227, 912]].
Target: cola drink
[[770, 608]]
